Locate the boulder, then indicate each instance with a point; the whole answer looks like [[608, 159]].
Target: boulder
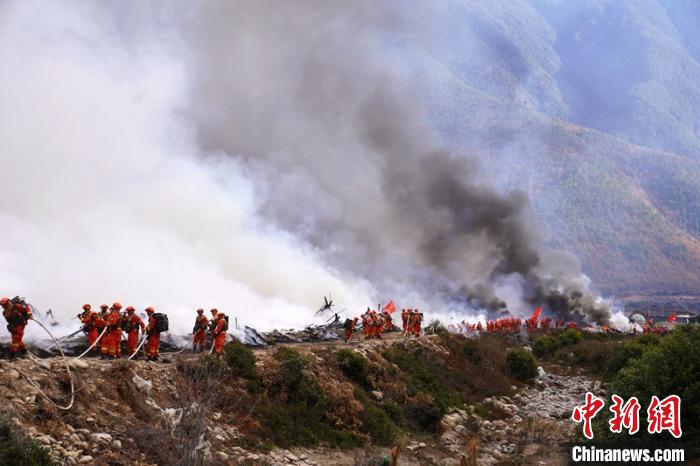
[[101, 437]]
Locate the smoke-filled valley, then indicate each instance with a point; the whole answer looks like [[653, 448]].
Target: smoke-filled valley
[[256, 156]]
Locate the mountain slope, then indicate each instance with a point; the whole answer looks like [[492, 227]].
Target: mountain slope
[[581, 106]]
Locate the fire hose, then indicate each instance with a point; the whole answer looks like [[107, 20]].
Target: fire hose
[[93, 344], [183, 348], [143, 340], [70, 375]]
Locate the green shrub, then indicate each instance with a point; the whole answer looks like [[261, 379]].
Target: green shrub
[[544, 346], [19, 450], [241, 360], [521, 364], [622, 356], [569, 337], [435, 327], [393, 410], [647, 339], [425, 416], [296, 411], [291, 380], [378, 425], [354, 365], [668, 367], [471, 351]]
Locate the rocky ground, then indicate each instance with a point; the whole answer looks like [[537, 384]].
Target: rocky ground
[[117, 402]]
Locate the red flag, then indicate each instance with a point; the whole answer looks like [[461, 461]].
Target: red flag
[[390, 307], [672, 318], [537, 313]]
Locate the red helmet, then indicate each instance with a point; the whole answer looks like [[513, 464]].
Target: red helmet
[[86, 307], [4, 301], [117, 305], [150, 310], [104, 306], [214, 311], [130, 309], [200, 311]]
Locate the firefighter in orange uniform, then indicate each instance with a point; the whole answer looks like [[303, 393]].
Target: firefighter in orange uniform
[[416, 323], [17, 314], [220, 333], [100, 324], [373, 323], [378, 325], [88, 319], [153, 343], [388, 322], [199, 331], [112, 347], [132, 324]]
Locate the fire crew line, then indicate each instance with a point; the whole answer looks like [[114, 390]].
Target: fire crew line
[[70, 375]]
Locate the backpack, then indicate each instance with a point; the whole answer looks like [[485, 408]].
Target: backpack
[[225, 327], [161, 322], [348, 324]]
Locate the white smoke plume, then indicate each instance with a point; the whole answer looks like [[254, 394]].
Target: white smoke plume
[[107, 197], [248, 155]]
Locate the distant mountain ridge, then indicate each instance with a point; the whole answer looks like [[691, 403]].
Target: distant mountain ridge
[[591, 107]]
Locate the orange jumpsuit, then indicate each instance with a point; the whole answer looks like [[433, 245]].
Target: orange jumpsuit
[[113, 345], [404, 320], [200, 332], [379, 326], [388, 323], [17, 316], [373, 326], [132, 323], [415, 327], [220, 333], [153, 343], [349, 325], [88, 319]]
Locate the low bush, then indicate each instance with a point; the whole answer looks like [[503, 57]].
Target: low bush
[[425, 416], [569, 337], [354, 366], [544, 346], [295, 412], [521, 364], [241, 360], [435, 327], [18, 450], [622, 356], [471, 351], [378, 426], [669, 366]]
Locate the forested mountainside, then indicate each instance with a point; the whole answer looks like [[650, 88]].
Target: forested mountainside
[[593, 109]]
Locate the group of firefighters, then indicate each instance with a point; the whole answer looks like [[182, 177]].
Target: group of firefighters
[[511, 325], [105, 329], [374, 324], [111, 321]]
